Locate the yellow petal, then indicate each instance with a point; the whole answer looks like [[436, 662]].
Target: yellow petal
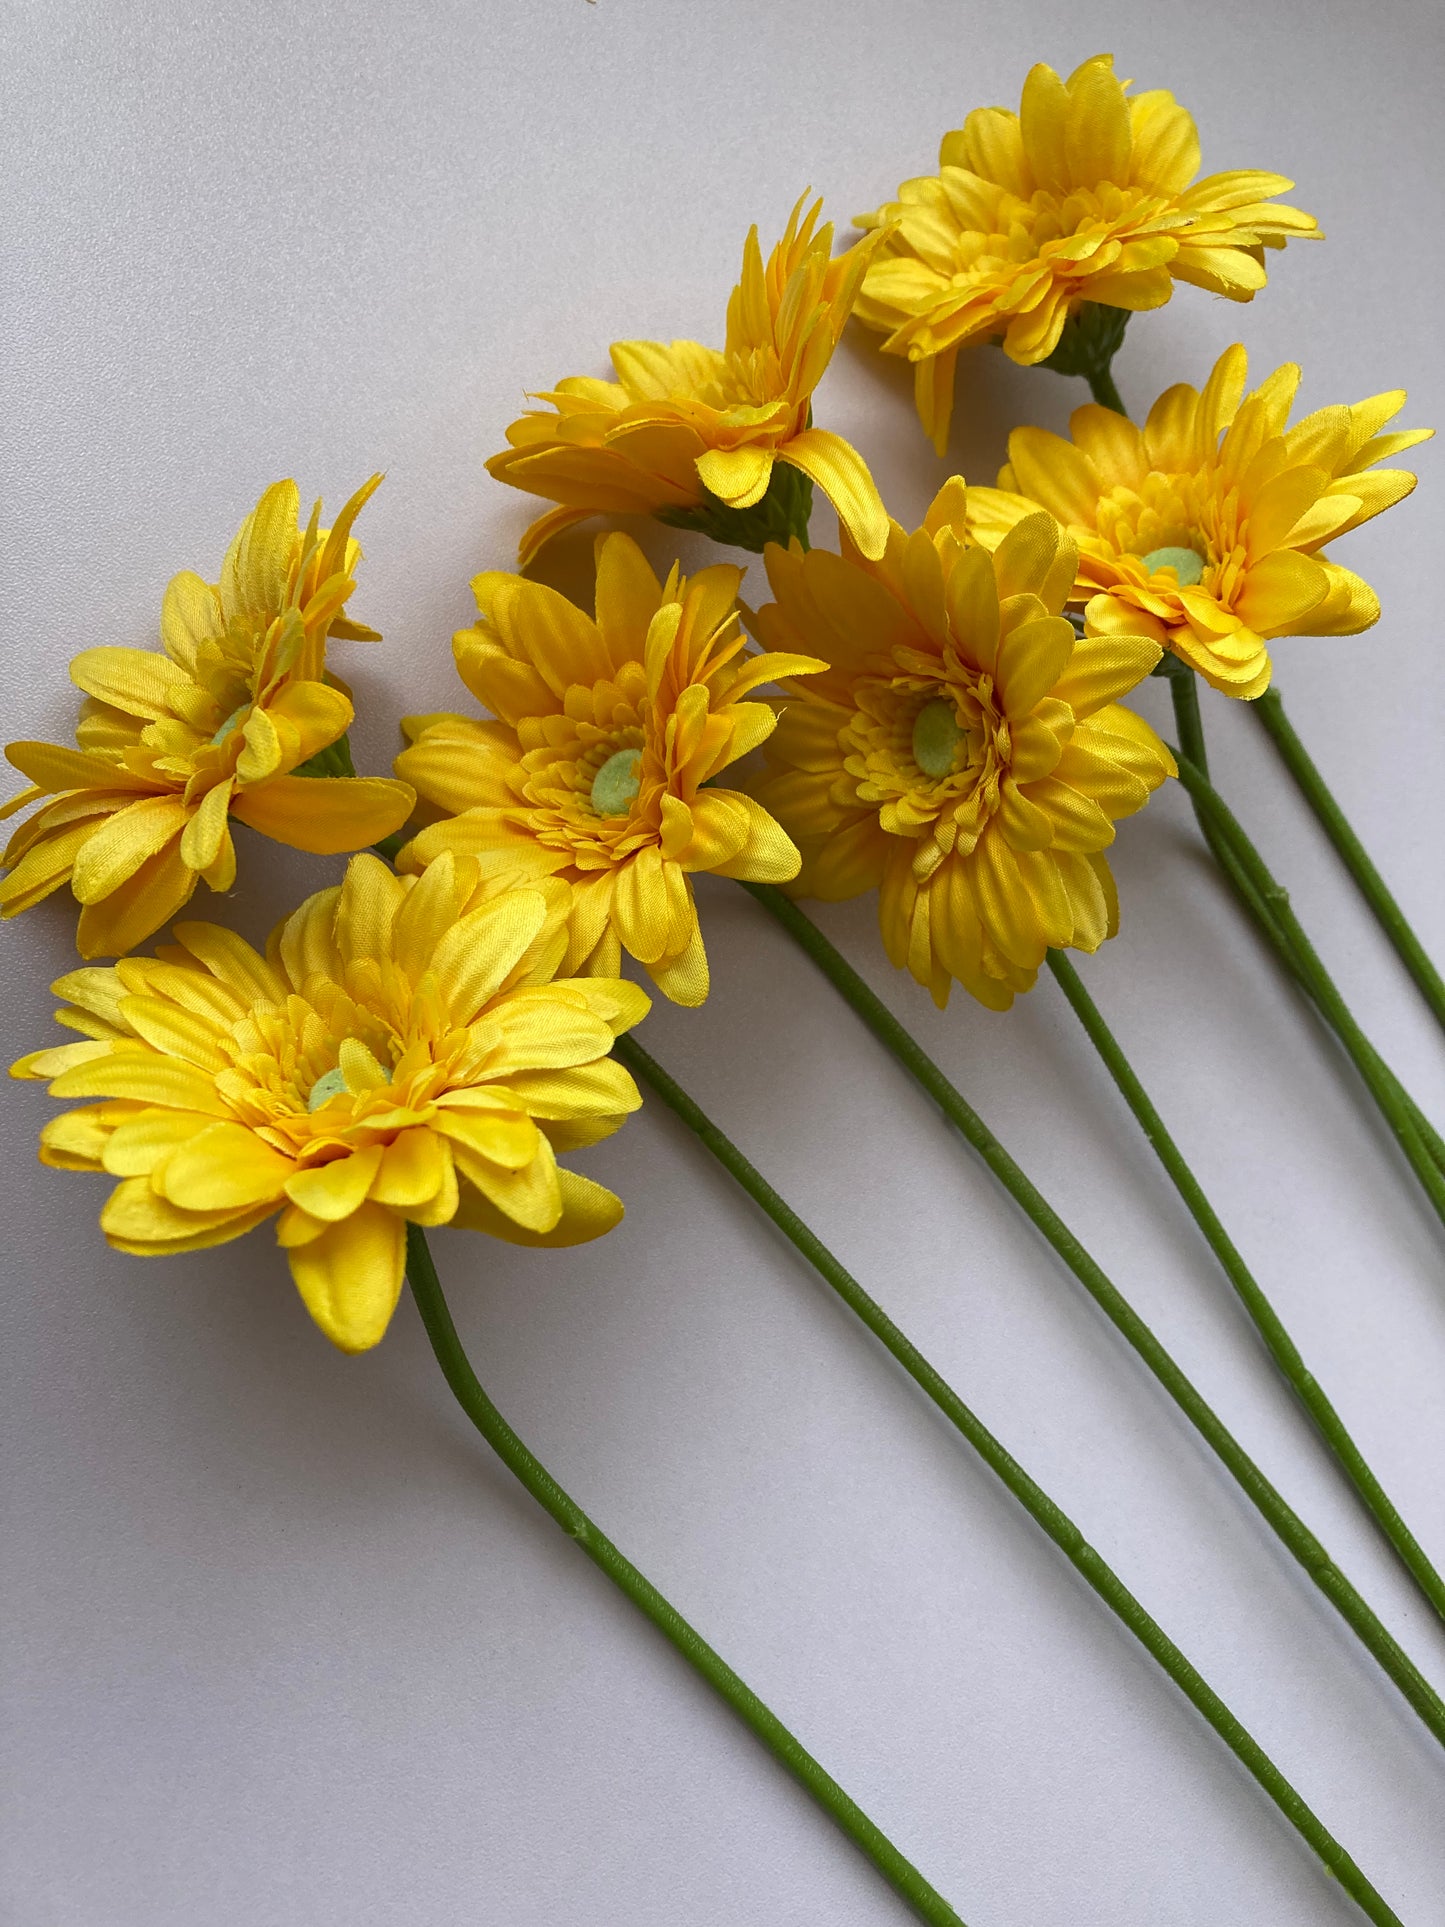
[[543, 1030], [233, 961], [475, 957], [1037, 557], [137, 908], [415, 1171], [767, 855], [77, 1140], [588, 1210], [842, 474], [505, 1138], [54, 768], [141, 1139], [326, 815], [350, 1277], [146, 1077], [737, 476], [119, 847], [682, 976], [1282, 588], [225, 1166], [139, 681], [135, 1219], [333, 1191], [639, 906], [599, 1089], [531, 1197], [176, 1032], [1031, 659]]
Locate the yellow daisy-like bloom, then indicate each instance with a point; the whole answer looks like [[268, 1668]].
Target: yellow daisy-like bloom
[[1083, 196], [1205, 528], [594, 772], [963, 751], [170, 747], [692, 434], [400, 1054]]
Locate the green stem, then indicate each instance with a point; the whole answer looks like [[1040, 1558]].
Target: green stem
[[1104, 389], [1383, 1087], [1266, 1320], [1269, 708], [1036, 1502], [1184, 688], [426, 1288], [1187, 718], [1291, 1530]]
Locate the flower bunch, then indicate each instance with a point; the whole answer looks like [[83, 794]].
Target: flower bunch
[[941, 715]]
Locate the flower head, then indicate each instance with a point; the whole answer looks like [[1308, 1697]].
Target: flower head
[[593, 772], [963, 751], [693, 434], [1082, 196], [170, 747], [400, 1053], [1205, 529]]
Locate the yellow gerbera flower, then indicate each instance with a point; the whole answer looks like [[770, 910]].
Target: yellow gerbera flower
[[400, 1053], [1205, 528], [171, 747], [1083, 196], [593, 773], [963, 750], [692, 435]]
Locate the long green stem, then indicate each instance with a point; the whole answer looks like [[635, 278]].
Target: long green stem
[[1383, 1087], [1291, 1530], [926, 1902], [1267, 1322], [1040, 1507], [1185, 693], [1269, 709]]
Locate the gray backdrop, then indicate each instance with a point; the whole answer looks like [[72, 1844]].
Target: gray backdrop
[[284, 1645]]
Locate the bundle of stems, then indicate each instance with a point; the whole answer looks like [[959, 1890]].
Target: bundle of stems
[[1293, 1533], [924, 1899]]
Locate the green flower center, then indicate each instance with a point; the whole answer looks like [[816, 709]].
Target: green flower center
[[1187, 564], [936, 737], [231, 723], [617, 783], [331, 1084]]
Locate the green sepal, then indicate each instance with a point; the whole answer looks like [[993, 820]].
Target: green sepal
[[782, 513], [1092, 336], [334, 760]]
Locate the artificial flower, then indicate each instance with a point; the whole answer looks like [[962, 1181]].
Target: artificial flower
[[1083, 196], [963, 751], [402, 1053], [695, 435], [171, 747], [1205, 528], [593, 772]]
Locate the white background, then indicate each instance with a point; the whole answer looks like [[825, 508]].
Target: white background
[[285, 1647]]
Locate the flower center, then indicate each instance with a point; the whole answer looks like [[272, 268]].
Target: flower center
[[936, 736], [331, 1084], [231, 722], [617, 783], [1187, 564]]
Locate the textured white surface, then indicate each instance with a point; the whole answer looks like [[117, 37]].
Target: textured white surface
[[283, 1646]]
